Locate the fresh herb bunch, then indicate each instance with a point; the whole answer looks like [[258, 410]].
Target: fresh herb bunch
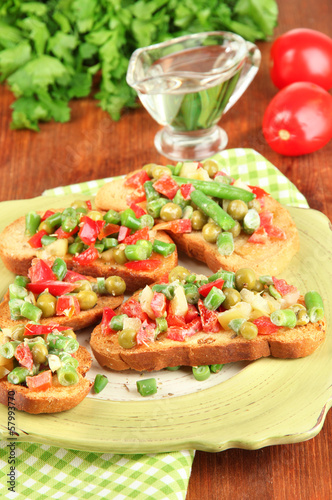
[[50, 50]]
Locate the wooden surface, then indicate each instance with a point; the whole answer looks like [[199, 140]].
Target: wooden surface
[[92, 146]]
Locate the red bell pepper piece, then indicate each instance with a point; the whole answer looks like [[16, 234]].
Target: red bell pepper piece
[[163, 279], [108, 314], [33, 329], [55, 288], [35, 240], [192, 313], [209, 318], [259, 236], [186, 190], [175, 320], [146, 333], [90, 230], [137, 180], [67, 305], [136, 196], [205, 289], [158, 304], [61, 234], [282, 286], [87, 257], [40, 382], [167, 186], [141, 234], [265, 326], [40, 271], [71, 277], [266, 219], [123, 233], [24, 356], [175, 226], [138, 211], [259, 192], [88, 204], [143, 265], [133, 309], [47, 214], [108, 230], [180, 334]]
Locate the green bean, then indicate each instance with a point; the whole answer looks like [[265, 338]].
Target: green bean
[[17, 291], [7, 350], [129, 219], [161, 325], [201, 372], [135, 252], [101, 287], [54, 219], [178, 167], [167, 290], [147, 245], [154, 207], [314, 305], [112, 217], [59, 268], [47, 240], [179, 200], [32, 221], [101, 382], [21, 281], [75, 248], [147, 387], [69, 223], [67, 375], [67, 344], [266, 280], [284, 317], [109, 243], [217, 190], [68, 360], [116, 322], [99, 247], [251, 221], [216, 368], [150, 192], [212, 209], [235, 324], [187, 212], [173, 368], [192, 293], [163, 248], [18, 375], [146, 221], [68, 212], [227, 276], [214, 298], [31, 312], [225, 243], [274, 292], [15, 308]]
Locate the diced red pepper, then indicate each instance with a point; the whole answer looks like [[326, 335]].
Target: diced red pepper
[[134, 310], [55, 288], [265, 326], [35, 240], [205, 289], [180, 334], [175, 226], [209, 318], [146, 333], [192, 313], [47, 214], [266, 219], [137, 180], [71, 277], [90, 230], [67, 305], [276, 232], [166, 185], [164, 278], [40, 271], [143, 265], [123, 233], [61, 234], [108, 230], [87, 257], [24, 356], [158, 304], [33, 329], [259, 192], [88, 204], [108, 314], [282, 286], [186, 190], [141, 234], [138, 211], [175, 320], [40, 382], [259, 236], [136, 196]]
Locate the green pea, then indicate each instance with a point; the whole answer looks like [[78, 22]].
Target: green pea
[[198, 220], [237, 209], [119, 254], [245, 278], [211, 232], [159, 171], [232, 297], [236, 230], [248, 330], [127, 338], [211, 166], [87, 299], [170, 212], [178, 273], [82, 285], [45, 226], [115, 285], [17, 332], [47, 303], [39, 353]]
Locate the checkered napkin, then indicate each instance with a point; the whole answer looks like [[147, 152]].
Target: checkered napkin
[[47, 472]]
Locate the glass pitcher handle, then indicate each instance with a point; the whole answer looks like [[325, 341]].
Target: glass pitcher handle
[[249, 70]]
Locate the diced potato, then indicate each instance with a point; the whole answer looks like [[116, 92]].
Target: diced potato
[[145, 301], [256, 300], [54, 362], [134, 323], [6, 363], [240, 310], [179, 304], [201, 175], [188, 168], [4, 371], [59, 248], [240, 184]]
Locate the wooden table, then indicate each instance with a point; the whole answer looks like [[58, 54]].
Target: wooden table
[[91, 146]]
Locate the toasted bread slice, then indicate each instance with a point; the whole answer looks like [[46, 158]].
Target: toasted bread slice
[[206, 348], [54, 400], [76, 322], [17, 255], [270, 257]]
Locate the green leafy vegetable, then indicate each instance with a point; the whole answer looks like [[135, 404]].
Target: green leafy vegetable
[[50, 50]]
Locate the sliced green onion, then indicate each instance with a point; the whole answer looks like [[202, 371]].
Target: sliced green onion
[[173, 368], [217, 190], [18, 375], [284, 317], [116, 322], [31, 312], [67, 375], [21, 281], [135, 252], [192, 293], [150, 192], [54, 219], [161, 325], [153, 207], [7, 350], [109, 243], [274, 292], [112, 217], [146, 221], [315, 307], [266, 280], [187, 212], [201, 372], [147, 245], [251, 221], [167, 290]]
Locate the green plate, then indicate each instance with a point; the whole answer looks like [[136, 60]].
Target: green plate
[[270, 401]]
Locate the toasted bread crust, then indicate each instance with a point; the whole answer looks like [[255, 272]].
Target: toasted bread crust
[[76, 322], [271, 257], [17, 255], [54, 400]]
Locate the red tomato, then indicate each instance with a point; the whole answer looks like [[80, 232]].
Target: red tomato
[[167, 186], [145, 334], [56, 288], [265, 326], [134, 310], [298, 120], [67, 305], [40, 271], [108, 314], [87, 257], [40, 382], [143, 265], [302, 55], [24, 356]]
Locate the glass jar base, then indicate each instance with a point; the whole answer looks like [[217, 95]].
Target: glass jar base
[[196, 145]]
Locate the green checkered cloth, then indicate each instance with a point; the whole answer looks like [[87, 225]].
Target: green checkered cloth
[[45, 472]]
